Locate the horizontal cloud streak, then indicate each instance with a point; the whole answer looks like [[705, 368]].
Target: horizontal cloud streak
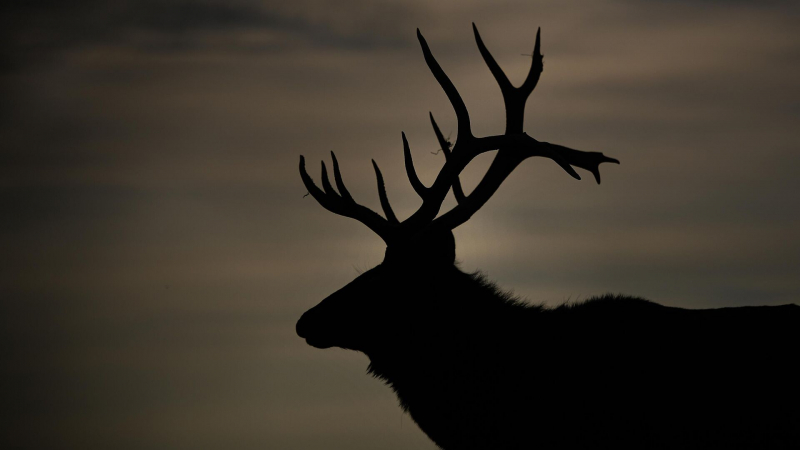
[[41, 29]]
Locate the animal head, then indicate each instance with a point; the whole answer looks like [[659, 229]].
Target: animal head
[[417, 284], [376, 308]]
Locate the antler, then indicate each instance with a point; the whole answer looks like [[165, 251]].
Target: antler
[[514, 146], [445, 145], [342, 203]]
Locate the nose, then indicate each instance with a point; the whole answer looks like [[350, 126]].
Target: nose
[[302, 326]]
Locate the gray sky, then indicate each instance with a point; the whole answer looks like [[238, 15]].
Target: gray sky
[[157, 249]]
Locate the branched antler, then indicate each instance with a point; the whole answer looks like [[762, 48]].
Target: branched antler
[[513, 147], [343, 204]]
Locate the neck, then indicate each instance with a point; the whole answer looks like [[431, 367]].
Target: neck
[[464, 323]]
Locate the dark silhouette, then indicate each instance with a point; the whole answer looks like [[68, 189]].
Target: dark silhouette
[[477, 368]]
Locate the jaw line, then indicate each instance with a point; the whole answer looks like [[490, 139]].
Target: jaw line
[[311, 342]]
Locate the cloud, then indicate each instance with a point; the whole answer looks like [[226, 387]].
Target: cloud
[[33, 31]]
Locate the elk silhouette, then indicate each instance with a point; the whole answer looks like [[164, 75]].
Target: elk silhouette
[[478, 368]]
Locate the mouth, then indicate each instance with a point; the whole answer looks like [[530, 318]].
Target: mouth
[[317, 344]]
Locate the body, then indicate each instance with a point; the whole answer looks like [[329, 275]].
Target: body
[[481, 369], [477, 368]]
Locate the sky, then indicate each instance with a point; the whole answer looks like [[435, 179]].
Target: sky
[[156, 248]]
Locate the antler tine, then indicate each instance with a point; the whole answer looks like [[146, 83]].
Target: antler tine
[[419, 188], [337, 176], [464, 129], [497, 72], [326, 183], [387, 208], [338, 205], [513, 97], [315, 192], [458, 192], [537, 65], [585, 160]]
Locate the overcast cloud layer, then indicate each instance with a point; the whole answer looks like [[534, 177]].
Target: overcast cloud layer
[[157, 249]]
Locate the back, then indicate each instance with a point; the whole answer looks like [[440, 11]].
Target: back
[[619, 371]]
